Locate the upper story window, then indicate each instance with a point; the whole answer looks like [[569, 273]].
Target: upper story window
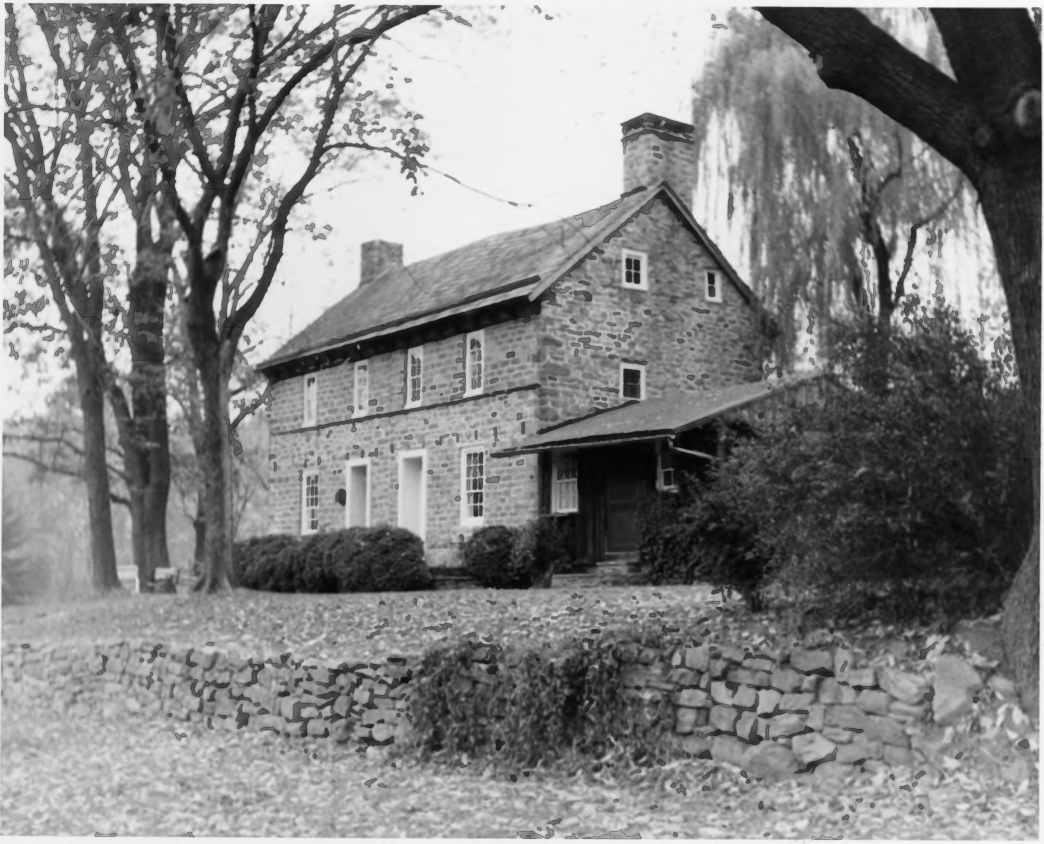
[[311, 399], [361, 395], [713, 288], [635, 270], [474, 362], [414, 369], [564, 474], [310, 504], [472, 486], [632, 381]]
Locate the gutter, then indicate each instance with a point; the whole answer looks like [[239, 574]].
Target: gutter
[[673, 447]]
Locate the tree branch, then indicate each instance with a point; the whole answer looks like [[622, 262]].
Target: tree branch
[[62, 470], [860, 58]]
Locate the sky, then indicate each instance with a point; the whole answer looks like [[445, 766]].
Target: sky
[[524, 106]]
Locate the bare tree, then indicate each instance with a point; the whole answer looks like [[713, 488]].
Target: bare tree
[[226, 114]]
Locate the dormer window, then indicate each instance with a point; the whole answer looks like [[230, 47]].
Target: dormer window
[[632, 381], [311, 399], [713, 288], [361, 397], [635, 270], [474, 362], [414, 370]]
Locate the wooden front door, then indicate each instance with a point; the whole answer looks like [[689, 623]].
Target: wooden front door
[[622, 490]]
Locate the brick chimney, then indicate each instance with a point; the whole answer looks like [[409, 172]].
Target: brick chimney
[[659, 150], [379, 256]]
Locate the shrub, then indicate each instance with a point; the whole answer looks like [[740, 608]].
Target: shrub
[[536, 711], [376, 559], [903, 491], [699, 534], [543, 546], [489, 557], [384, 559], [263, 563]]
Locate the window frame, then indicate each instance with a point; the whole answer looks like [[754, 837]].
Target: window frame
[[311, 400], [707, 285], [361, 408], [306, 528], [640, 367], [480, 335], [350, 464], [418, 352], [467, 520], [660, 484], [644, 270], [558, 485]]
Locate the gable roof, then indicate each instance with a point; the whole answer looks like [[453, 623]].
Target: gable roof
[[513, 265], [654, 418]]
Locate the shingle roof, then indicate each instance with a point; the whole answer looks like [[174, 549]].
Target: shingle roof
[[505, 266], [654, 418]]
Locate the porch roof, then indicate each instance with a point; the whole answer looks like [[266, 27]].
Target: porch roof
[[653, 418]]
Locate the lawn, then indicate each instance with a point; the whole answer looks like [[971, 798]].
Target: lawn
[[63, 777]]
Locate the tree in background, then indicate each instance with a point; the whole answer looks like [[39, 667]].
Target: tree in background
[[985, 120], [831, 189], [83, 129], [226, 115]]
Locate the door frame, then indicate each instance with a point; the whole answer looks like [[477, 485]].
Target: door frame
[[413, 454]]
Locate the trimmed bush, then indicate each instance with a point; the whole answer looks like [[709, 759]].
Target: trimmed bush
[[489, 557], [263, 562], [384, 559], [375, 559]]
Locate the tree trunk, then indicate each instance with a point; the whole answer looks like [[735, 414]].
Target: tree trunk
[[1011, 206], [214, 468], [95, 467]]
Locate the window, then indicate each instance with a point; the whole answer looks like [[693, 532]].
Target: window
[[357, 503], [472, 486], [311, 399], [414, 367], [713, 287], [635, 270], [563, 484], [665, 479], [632, 381], [361, 398], [474, 359], [310, 504]]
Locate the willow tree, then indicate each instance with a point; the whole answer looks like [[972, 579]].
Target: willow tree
[[981, 113], [829, 187]]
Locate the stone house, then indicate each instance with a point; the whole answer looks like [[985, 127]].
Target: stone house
[[558, 369]]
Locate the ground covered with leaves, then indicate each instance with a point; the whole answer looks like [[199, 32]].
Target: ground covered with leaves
[[135, 778], [65, 776]]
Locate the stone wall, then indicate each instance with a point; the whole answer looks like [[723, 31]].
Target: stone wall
[[365, 704], [790, 708], [774, 712], [685, 342]]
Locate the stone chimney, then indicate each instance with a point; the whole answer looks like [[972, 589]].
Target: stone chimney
[[659, 150], [379, 256]]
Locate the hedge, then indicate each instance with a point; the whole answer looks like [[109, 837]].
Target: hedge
[[373, 559]]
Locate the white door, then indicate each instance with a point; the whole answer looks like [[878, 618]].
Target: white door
[[412, 492], [357, 505]]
